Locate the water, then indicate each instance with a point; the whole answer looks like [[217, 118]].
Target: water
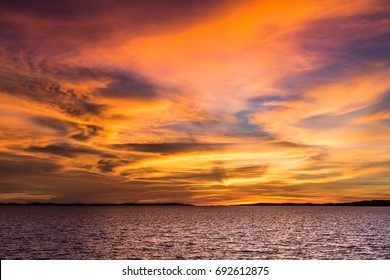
[[163, 232]]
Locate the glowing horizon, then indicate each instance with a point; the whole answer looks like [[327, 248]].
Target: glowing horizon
[[200, 102]]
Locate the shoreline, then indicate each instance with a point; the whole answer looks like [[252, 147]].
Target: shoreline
[[366, 203]]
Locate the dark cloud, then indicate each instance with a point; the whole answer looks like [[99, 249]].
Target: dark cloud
[[128, 85], [250, 171], [259, 134], [31, 23], [13, 166], [342, 43], [67, 150], [245, 128], [262, 102], [49, 93], [72, 73], [64, 128], [317, 176], [382, 167], [241, 129], [171, 148], [377, 164], [219, 173], [244, 121], [51, 73], [105, 165], [382, 105], [87, 131], [54, 124], [354, 38], [216, 173], [123, 84], [323, 155], [287, 144], [150, 10], [265, 99], [108, 165]]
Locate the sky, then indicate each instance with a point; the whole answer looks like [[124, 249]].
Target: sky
[[202, 102]]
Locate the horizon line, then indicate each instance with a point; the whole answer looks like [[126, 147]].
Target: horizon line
[[373, 202]]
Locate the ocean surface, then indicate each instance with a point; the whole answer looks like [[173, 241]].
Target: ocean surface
[[185, 232]]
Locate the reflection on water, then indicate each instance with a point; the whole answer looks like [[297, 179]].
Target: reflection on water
[[163, 232]]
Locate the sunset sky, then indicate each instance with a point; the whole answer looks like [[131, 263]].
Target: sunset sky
[[203, 102]]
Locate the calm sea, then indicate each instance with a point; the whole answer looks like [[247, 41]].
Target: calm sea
[[180, 232]]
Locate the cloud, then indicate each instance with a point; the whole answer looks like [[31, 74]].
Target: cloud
[[109, 165], [383, 104], [171, 148], [327, 121], [67, 150], [91, 22], [251, 170], [215, 174], [105, 165], [116, 83], [317, 176], [86, 132], [14, 166], [50, 94], [377, 113], [129, 86], [219, 174], [54, 124]]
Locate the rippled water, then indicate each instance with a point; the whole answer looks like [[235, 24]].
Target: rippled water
[[163, 232]]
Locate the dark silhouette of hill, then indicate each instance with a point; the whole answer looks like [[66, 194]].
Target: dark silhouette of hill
[[356, 203], [93, 204]]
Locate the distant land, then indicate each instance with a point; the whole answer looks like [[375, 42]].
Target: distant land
[[93, 204], [356, 203]]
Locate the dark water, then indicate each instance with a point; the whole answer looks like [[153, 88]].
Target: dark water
[[162, 232]]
